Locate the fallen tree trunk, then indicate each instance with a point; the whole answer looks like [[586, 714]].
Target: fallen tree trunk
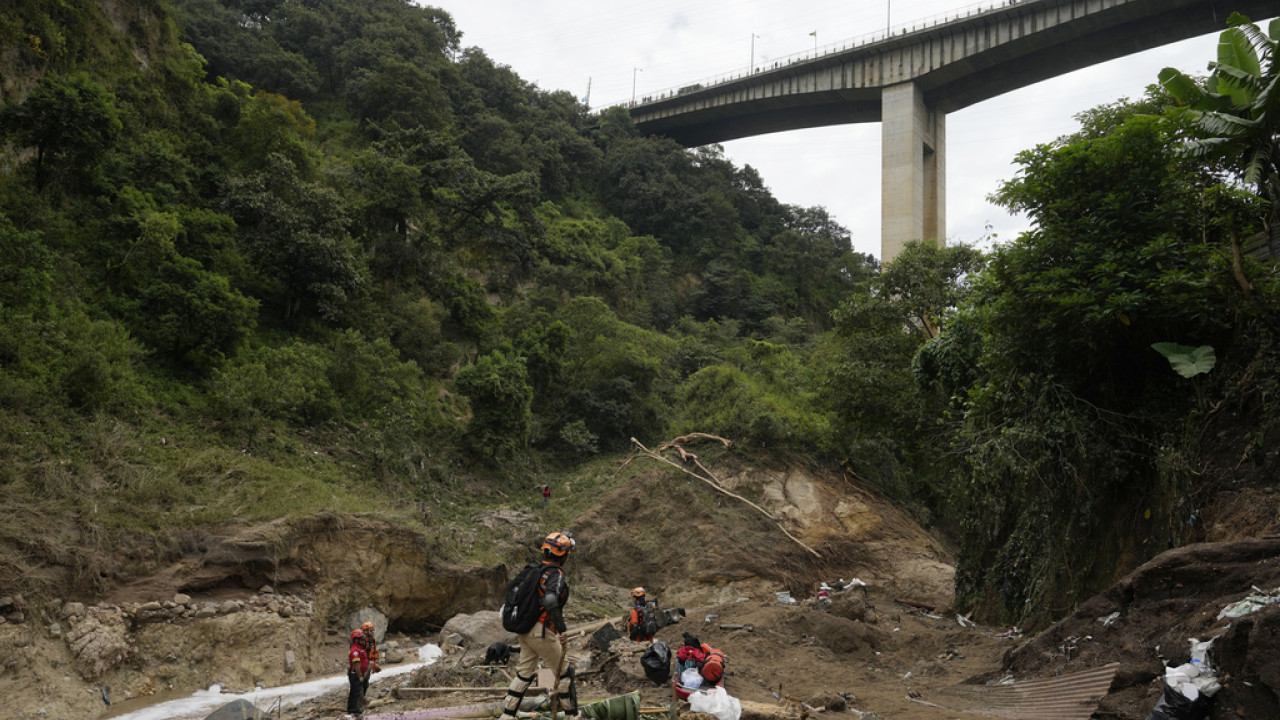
[[714, 482]]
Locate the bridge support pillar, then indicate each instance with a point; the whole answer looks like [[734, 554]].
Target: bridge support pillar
[[912, 170]]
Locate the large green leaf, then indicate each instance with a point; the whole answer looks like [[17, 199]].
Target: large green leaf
[[1187, 361], [1181, 87]]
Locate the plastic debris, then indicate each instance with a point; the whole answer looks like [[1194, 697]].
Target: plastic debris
[[1251, 603], [1188, 688], [716, 702], [1106, 620], [964, 621], [785, 598]]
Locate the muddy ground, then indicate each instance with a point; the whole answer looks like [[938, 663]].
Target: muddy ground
[[895, 661], [896, 654]]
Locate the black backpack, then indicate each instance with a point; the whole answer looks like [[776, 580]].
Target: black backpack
[[649, 621], [524, 604]]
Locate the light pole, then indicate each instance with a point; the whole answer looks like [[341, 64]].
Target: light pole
[[815, 43], [633, 83], [752, 67], [888, 16]]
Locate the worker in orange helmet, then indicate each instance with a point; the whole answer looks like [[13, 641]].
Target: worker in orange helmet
[[546, 640], [641, 621], [370, 642]]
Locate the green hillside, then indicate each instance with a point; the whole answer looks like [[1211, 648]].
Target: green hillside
[[269, 258]]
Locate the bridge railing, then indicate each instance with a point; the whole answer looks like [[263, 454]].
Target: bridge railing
[[779, 63]]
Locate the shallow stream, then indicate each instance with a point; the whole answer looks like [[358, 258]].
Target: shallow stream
[[203, 702]]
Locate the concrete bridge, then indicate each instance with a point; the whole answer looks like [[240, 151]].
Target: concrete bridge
[[910, 81]]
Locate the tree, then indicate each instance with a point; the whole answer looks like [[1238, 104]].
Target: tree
[[498, 388], [1062, 404], [929, 282], [71, 121], [294, 232], [1237, 109]]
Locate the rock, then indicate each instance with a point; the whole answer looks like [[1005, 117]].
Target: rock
[[55, 631], [72, 609], [6, 602], [450, 641], [478, 630], [286, 611], [236, 710], [99, 642], [393, 656], [149, 607], [850, 606], [368, 614], [228, 607], [181, 599], [829, 701], [15, 617], [206, 611], [290, 662], [266, 590]]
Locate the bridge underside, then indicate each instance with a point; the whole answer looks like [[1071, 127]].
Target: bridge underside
[[942, 69]]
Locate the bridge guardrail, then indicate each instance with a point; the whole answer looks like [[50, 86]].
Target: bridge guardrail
[[870, 38]]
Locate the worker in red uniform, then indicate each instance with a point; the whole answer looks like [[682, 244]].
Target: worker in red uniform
[[357, 666]]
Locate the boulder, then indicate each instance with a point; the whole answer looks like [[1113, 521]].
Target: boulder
[[478, 630], [236, 710], [850, 606], [72, 609], [368, 614]]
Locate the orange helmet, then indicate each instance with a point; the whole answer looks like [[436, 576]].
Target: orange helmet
[[558, 544], [637, 592], [357, 634], [367, 627]]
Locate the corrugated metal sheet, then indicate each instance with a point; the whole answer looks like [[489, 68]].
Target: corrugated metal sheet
[[1066, 697]]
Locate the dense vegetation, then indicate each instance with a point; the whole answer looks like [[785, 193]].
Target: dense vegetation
[[326, 242], [265, 258]]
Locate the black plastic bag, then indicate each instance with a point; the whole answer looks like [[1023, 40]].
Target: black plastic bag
[[604, 637], [657, 663], [1174, 705]]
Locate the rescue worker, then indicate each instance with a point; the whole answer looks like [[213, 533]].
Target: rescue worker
[[357, 666], [547, 641], [371, 647], [635, 618]]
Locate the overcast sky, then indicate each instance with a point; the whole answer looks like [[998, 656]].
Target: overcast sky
[[662, 44]]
